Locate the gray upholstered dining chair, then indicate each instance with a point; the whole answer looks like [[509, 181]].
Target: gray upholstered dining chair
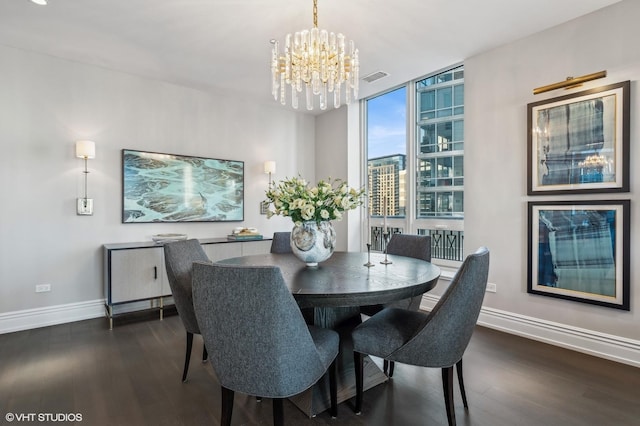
[[263, 346], [178, 258], [418, 247], [437, 339], [281, 242]]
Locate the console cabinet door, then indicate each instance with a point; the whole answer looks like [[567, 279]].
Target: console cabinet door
[[217, 252], [137, 274], [255, 247]]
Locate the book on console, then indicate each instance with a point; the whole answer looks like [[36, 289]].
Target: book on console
[[245, 237]]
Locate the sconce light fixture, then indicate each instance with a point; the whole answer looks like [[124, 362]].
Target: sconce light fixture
[[85, 150], [269, 168], [570, 82]]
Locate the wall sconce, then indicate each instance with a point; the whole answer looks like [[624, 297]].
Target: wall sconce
[[269, 168], [85, 150]]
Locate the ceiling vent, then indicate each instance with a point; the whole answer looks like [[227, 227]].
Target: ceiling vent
[[374, 76]]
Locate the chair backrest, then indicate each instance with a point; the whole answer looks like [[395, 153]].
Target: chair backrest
[[416, 246], [442, 340], [262, 344], [281, 242], [178, 259]]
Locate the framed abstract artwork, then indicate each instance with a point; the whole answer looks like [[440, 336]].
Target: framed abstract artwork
[[159, 187], [579, 250], [579, 143]]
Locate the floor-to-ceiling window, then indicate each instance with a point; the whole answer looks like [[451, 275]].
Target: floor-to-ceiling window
[[386, 163], [417, 130]]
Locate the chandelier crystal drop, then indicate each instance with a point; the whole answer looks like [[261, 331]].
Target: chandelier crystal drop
[[317, 61]]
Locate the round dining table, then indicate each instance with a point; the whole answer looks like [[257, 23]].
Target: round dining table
[[343, 280], [335, 289]]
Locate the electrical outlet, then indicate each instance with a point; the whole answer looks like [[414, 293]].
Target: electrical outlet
[[491, 287], [41, 288]]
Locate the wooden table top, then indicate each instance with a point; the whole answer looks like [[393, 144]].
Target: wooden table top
[[344, 281]]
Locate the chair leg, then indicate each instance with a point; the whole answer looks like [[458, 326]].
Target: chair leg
[[461, 383], [205, 354], [187, 356], [358, 361], [227, 406], [333, 389], [387, 367], [278, 412], [447, 385]]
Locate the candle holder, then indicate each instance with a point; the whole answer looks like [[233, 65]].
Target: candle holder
[[369, 264], [386, 261]]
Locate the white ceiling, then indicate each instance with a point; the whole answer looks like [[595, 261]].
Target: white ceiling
[[223, 45]]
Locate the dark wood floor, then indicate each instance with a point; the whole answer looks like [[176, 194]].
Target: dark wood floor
[[131, 376]]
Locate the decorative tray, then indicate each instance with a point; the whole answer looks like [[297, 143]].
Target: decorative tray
[[166, 238]]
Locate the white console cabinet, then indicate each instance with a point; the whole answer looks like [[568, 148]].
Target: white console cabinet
[[135, 277]]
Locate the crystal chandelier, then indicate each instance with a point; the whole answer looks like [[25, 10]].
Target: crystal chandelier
[[316, 59]]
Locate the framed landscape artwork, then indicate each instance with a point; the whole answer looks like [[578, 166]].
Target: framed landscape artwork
[[579, 250], [579, 142], [159, 187]]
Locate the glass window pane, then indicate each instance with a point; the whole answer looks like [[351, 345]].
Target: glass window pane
[[444, 77], [458, 130], [444, 166], [428, 101], [444, 98], [443, 202], [444, 136], [430, 81], [444, 113], [427, 138], [437, 135], [387, 147], [458, 166], [425, 172], [458, 95], [458, 202]]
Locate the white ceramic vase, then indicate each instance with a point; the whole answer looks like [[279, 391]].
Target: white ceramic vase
[[313, 242]]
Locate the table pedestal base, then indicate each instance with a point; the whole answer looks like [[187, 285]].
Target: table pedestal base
[[317, 398]]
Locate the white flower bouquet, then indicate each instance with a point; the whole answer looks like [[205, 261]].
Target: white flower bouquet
[[326, 201]]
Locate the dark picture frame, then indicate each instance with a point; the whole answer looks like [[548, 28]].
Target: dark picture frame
[[579, 143], [579, 250], [159, 187]]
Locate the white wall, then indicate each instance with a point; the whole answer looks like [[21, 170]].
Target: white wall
[[47, 104], [498, 87], [331, 159]]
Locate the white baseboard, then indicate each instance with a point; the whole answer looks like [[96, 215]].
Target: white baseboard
[[50, 315], [615, 348]]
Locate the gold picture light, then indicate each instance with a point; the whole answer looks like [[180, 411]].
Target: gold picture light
[[570, 82]]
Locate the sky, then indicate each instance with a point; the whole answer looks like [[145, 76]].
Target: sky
[[387, 124]]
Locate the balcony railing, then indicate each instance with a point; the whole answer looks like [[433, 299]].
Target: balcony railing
[[445, 244], [378, 243]]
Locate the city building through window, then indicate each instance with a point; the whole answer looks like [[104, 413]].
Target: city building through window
[[415, 162]]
